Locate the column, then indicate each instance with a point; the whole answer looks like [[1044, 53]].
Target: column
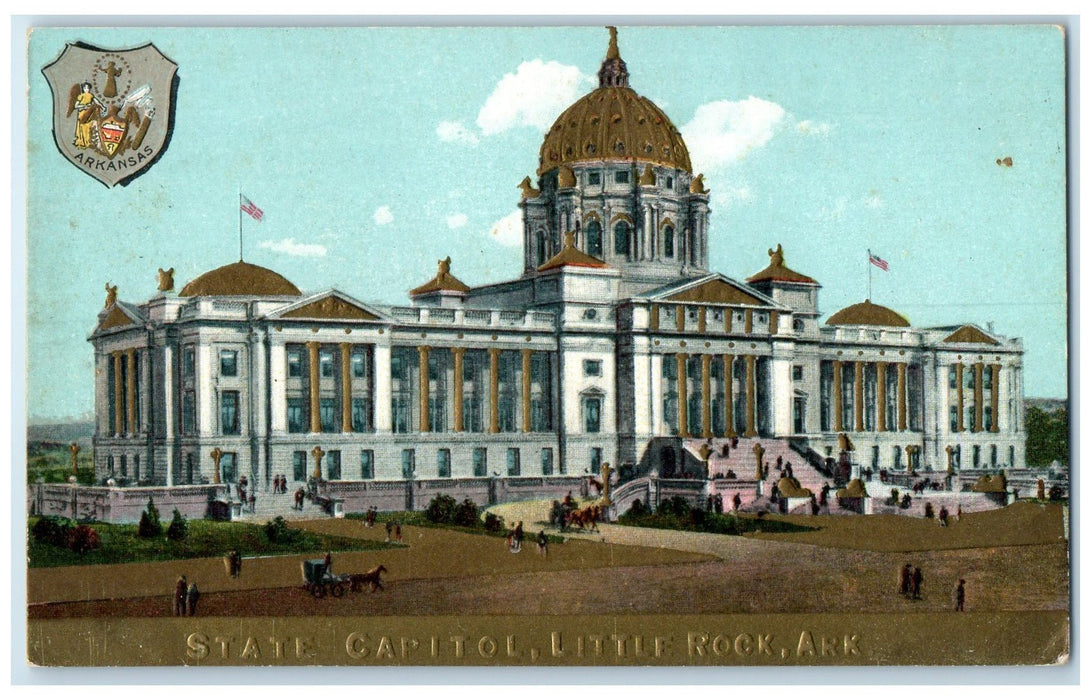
[[702, 315], [422, 370], [346, 387], [774, 319], [119, 419], [901, 397], [958, 380], [526, 389], [312, 367], [858, 396], [130, 390], [457, 354], [880, 378], [996, 398], [729, 402], [683, 397], [168, 410], [751, 397], [748, 324], [838, 399], [653, 317], [729, 314], [494, 390], [979, 396], [706, 394], [680, 318]]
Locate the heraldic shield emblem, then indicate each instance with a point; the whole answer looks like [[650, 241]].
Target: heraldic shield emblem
[[112, 109]]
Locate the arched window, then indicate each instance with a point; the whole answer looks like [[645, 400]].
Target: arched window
[[668, 241], [621, 238], [542, 257], [594, 239]]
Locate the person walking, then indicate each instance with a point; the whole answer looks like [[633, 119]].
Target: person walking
[[192, 596], [905, 580], [918, 578], [960, 596], [180, 588], [543, 541], [398, 530], [389, 529]]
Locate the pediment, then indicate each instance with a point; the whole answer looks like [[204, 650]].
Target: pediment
[[116, 318], [970, 334], [331, 307], [716, 291]]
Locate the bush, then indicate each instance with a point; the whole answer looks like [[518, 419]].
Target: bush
[[493, 523], [83, 539], [52, 530], [278, 532], [178, 528], [677, 506], [441, 509], [637, 510], [1056, 492], [149, 522], [465, 514]]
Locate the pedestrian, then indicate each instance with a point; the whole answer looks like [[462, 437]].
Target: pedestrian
[[389, 529], [192, 596], [179, 600], [943, 515], [918, 578], [719, 503], [542, 542], [960, 596], [236, 559], [519, 536], [736, 501], [253, 503], [905, 580], [780, 461], [398, 530], [958, 515], [328, 563]]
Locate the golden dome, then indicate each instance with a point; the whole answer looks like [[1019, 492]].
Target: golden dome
[[240, 279], [613, 123], [868, 314]]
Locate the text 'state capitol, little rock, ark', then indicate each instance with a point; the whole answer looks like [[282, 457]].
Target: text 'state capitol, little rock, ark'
[[616, 345]]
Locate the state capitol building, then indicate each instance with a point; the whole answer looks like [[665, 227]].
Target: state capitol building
[[615, 344]]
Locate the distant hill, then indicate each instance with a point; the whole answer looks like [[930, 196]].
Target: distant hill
[[1048, 405], [80, 432]]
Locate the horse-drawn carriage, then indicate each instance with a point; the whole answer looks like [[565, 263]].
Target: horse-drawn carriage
[[319, 581]]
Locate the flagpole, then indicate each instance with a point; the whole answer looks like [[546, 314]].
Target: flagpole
[[240, 223], [868, 274]]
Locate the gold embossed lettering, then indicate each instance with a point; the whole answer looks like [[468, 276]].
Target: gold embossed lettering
[[744, 644], [555, 644], [304, 648], [806, 644], [225, 644], [251, 650], [197, 646], [460, 646], [851, 640], [386, 648], [408, 644], [487, 647], [356, 646], [697, 644]]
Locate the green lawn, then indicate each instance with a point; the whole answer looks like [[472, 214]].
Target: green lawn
[[206, 538], [52, 463], [419, 519]]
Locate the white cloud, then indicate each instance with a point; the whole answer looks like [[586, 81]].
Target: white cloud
[[813, 128], [288, 246], [835, 212], [724, 196], [873, 201], [532, 96], [725, 132], [456, 132], [509, 230], [383, 216], [457, 220]]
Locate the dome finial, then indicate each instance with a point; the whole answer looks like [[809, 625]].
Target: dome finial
[[613, 72]]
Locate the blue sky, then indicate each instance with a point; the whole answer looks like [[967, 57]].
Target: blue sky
[[375, 152]]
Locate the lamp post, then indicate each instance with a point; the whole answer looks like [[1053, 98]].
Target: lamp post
[[216, 454], [318, 454], [75, 450]]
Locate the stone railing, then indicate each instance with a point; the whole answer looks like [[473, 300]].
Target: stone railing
[[483, 318], [121, 505]]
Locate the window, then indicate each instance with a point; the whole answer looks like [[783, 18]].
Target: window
[[797, 326], [299, 466], [594, 179], [592, 420], [621, 238], [988, 418], [361, 415], [295, 363], [443, 463], [124, 466], [670, 183], [229, 413], [480, 461], [513, 461], [358, 365], [409, 463], [229, 363], [594, 239], [295, 416], [977, 456], [592, 368], [668, 241], [992, 455], [954, 418], [797, 373], [325, 363], [547, 460], [596, 460], [333, 465], [189, 413], [229, 467], [621, 177], [367, 464], [189, 362], [987, 378], [968, 378], [328, 415], [400, 413], [952, 377]]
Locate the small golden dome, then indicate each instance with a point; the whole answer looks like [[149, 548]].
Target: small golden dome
[[613, 123], [868, 314], [240, 279]]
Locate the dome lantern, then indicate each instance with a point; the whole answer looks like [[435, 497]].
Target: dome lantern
[[613, 72]]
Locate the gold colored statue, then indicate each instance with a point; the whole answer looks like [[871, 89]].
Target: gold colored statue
[[165, 279], [528, 190], [111, 295]]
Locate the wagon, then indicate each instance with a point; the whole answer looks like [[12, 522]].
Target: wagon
[[319, 581]]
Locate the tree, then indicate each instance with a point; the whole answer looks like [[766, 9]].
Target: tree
[[1047, 436], [178, 528], [149, 522]]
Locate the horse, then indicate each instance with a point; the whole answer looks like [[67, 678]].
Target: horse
[[357, 581]]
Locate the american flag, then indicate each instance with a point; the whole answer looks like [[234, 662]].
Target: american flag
[[250, 208], [878, 262]]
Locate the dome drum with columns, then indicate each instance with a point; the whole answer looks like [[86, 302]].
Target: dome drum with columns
[[616, 344]]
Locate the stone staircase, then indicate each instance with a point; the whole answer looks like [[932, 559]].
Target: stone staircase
[[268, 505], [741, 461]]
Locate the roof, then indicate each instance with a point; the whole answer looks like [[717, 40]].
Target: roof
[[240, 279], [613, 122], [777, 271], [570, 255], [444, 281], [712, 288], [970, 334], [868, 314]]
